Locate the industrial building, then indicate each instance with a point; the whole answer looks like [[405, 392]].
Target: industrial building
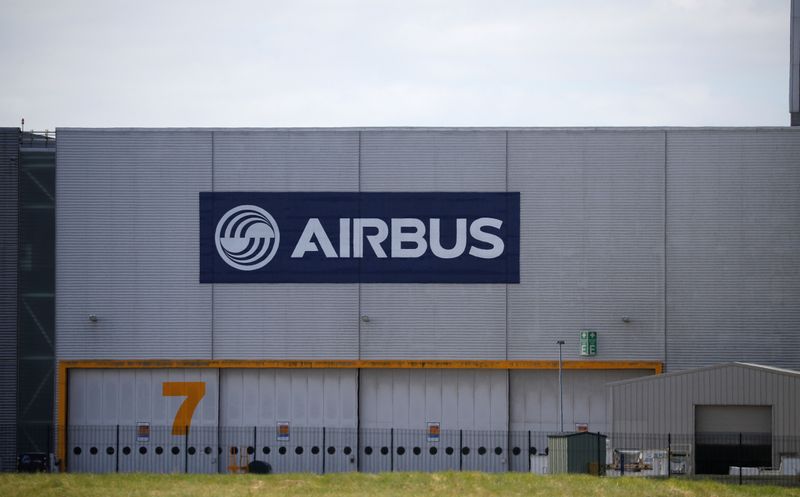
[[673, 248], [391, 298]]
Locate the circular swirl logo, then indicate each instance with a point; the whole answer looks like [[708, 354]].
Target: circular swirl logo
[[247, 237]]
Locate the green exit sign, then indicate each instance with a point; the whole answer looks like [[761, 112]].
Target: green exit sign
[[588, 342]]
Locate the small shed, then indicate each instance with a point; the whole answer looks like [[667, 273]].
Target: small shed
[[581, 452]]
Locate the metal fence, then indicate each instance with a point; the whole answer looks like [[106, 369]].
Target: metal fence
[[731, 457]]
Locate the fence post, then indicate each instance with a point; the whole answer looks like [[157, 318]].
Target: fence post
[[255, 442], [116, 453], [186, 449], [740, 458], [669, 454], [391, 446], [530, 464], [599, 454], [622, 464], [324, 450], [461, 450]]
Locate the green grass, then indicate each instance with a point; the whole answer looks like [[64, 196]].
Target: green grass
[[358, 484]]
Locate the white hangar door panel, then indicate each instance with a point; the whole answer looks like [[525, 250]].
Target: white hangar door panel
[[399, 406], [136, 420], [314, 408]]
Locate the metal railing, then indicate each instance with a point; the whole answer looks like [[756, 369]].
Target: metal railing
[[38, 139], [730, 457]]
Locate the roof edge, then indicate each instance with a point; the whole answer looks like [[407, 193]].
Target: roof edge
[[747, 365]]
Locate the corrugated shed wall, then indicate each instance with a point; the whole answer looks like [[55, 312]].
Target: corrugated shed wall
[[733, 248], [665, 404], [9, 219]]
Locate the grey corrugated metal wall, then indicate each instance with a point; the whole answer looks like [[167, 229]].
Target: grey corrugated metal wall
[[665, 403], [433, 321], [592, 242], [611, 219], [733, 247], [127, 245], [9, 250], [289, 320]]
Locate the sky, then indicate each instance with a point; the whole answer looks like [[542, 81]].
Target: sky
[[275, 63]]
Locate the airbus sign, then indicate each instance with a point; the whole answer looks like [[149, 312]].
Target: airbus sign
[[331, 237]]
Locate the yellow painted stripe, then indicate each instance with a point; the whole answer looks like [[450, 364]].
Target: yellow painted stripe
[[64, 367], [363, 364]]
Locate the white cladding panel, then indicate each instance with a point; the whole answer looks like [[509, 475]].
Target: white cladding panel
[[302, 397], [592, 242], [535, 396], [285, 321], [127, 244], [102, 397], [427, 320], [465, 399]]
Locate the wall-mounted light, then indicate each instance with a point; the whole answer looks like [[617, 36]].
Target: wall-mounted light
[[365, 318], [93, 318], [626, 319]]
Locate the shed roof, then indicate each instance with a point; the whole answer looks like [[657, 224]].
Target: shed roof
[[739, 365]]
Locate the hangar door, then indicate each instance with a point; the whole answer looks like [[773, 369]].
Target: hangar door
[[732, 435], [142, 420]]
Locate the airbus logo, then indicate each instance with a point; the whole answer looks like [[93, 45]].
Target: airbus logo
[[405, 238], [359, 237], [247, 237]]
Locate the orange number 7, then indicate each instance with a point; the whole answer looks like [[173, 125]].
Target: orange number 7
[[194, 391]]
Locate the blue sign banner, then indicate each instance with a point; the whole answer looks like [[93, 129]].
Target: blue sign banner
[[349, 237]]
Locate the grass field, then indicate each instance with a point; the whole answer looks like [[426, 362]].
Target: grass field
[[358, 484]]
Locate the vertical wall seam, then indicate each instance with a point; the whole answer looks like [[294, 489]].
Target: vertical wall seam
[[665, 368], [506, 327], [212, 284], [358, 316]]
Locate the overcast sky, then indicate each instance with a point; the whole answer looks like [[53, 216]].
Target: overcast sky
[[394, 63]]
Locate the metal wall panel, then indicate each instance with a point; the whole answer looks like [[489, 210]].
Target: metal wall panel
[[465, 399], [101, 399], [302, 397], [592, 242], [126, 244], [308, 399], [285, 321], [733, 247], [475, 401], [9, 216], [433, 321], [534, 399], [665, 403]]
